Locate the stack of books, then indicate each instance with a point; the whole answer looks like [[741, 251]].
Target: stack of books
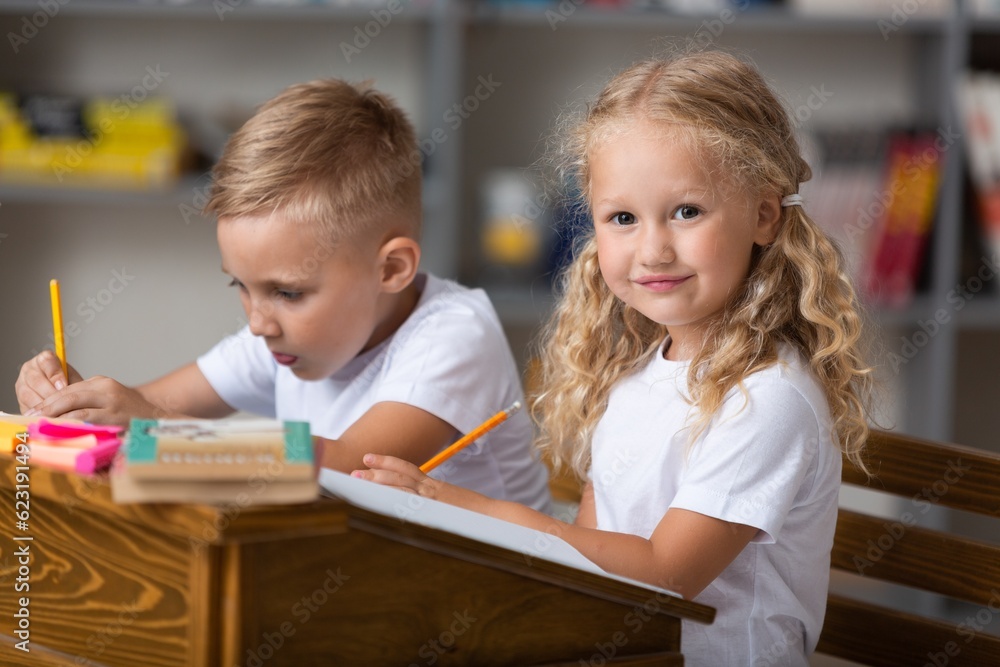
[[256, 461]]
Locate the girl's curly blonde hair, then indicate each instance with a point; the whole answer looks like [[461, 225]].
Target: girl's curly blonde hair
[[797, 291]]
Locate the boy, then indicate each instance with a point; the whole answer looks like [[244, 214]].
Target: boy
[[318, 205]]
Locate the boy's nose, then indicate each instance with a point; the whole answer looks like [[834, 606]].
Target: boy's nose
[[262, 322]]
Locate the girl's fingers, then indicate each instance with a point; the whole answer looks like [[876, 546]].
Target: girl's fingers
[[387, 478], [393, 464]]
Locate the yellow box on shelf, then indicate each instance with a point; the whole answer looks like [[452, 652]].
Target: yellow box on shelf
[[139, 145]]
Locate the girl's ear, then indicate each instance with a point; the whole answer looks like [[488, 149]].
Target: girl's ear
[[768, 220], [398, 260]]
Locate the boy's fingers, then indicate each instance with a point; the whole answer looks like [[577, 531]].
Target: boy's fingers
[[51, 368], [79, 397]]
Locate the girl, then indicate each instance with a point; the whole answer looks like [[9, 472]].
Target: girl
[[702, 370]]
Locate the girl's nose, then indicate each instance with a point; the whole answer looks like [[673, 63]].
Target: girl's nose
[[657, 245]]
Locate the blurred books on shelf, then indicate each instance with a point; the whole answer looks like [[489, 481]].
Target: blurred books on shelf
[[891, 10], [909, 196], [876, 193], [979, 102], [107, 142]]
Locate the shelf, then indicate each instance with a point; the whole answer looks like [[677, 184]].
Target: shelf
[[191, 190], [184, 191], [222, 10], [769, 19]]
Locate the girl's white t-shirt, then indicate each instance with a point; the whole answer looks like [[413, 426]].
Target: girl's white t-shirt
[[768, 460], [450, 358]]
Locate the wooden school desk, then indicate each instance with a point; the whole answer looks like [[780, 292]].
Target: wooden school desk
[[324, 583]]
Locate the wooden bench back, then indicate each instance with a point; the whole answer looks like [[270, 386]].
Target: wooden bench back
[[898, 551]]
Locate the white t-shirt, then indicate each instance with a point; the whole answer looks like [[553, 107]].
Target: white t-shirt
[[450, 358], [768, 460]]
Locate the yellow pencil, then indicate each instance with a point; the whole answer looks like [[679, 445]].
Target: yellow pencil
[[471, 437], [57, 325]]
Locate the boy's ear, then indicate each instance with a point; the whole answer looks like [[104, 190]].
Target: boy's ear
[[398, 259], [768, 220]]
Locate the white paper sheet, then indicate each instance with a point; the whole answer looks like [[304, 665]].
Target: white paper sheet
[[534, 544]]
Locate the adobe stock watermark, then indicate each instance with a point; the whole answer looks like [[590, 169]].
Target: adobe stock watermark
[[302, 611], [922, 503], [432, 650], [92, 306], [635, 620], [817, 99], [902, 12], [99, 641], [957, 298], [791, 633], [454, 117], [711, 29], [200, 193], [968, 630], [363, 35], [121, 107], [32, 25], [912, 169], [257, 483]]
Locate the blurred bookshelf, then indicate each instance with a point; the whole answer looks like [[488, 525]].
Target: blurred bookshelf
[[884, 70]]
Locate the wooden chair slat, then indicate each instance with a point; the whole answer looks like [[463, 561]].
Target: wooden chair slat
[[951, 475], [882, 637], [897, 551], [924, 474]]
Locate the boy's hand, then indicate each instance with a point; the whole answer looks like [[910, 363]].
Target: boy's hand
[[40, 378], [98, 400]]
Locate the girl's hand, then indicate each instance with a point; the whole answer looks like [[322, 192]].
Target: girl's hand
[[400, 474], [391, 471], [98, 400], [40, 378]]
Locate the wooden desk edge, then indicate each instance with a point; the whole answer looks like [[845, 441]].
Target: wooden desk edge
[[457, 546]]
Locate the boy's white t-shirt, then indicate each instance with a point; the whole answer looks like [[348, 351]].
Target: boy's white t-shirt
[[768, 460], [450, 358]]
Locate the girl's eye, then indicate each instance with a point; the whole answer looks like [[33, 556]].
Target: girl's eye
[[235, 283], [623, 219], [289, 296], [686, 212]]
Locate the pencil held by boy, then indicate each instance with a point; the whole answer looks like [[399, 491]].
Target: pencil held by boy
[[702, 370], [318, 200]]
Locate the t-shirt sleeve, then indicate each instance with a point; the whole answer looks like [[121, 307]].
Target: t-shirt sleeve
[[454, 364], [754, 458], [242, 372]]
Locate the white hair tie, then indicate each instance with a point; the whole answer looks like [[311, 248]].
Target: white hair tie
[[791, 200]]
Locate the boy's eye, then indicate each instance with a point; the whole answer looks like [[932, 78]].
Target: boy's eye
[[235, 283], [623, 219], [289, 296], [687, 212]]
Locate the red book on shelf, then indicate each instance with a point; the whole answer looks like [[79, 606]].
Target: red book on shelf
[[909, 196]]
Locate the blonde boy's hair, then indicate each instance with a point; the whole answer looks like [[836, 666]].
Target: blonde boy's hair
[[797, 291], [336, 157]]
